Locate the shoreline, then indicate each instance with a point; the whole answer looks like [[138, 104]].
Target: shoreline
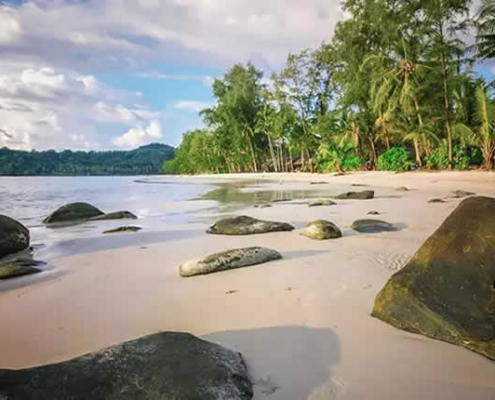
[[303, 323]]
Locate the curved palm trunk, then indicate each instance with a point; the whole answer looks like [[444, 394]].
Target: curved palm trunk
[[416, 144], [447, 109]]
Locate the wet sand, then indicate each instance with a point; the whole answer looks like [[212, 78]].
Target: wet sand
[[303, 323]]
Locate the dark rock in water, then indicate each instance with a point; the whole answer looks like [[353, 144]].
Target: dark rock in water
[[373, 213], [322, 230], [165, 365], [436, 201], [229, 259], [14, 236], [402, 189], [372, 226], [124, 229], [364, 195], [322, 203], [19, 267], [459, 194], [73, 212], [447, 290], [114, 215], [244, 225]]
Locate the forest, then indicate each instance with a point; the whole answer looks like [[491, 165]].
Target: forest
[[144, 160], [397, 88]]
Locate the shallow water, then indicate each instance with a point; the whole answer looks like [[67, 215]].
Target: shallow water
[[161, 204]]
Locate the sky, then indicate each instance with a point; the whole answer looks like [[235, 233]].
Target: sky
[[118, 74]]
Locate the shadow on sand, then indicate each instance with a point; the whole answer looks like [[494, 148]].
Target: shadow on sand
[[287, 362]]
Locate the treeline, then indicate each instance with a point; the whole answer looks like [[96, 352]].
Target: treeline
[[395, 89], [144, 160]]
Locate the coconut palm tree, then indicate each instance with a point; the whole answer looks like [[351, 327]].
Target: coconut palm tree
[[485, 39]]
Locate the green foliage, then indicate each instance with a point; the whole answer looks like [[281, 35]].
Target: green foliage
[[464, 157], [170, 167], [395, 159], [352, 163], [144, 160]]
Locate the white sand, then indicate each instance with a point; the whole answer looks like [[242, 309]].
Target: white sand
[[315, 341]]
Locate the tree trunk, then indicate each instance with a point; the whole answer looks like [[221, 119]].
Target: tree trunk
[[253, 155], [416, 145], [447, 109], [272, 153], [418, 156], [488, 151], [373, 149], [291, 160], [303, 163], [387, 142], [310, 160]]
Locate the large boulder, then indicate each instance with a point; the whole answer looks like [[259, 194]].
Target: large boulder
[[229, 259], [114, 215], [322, 230], [165, 365], [244, 225], [372, 226], [363, 195], [73, 212], [19, 267], [14, 236], [447, 290]]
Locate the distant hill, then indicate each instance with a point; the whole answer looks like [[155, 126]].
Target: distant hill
[[144, 160]]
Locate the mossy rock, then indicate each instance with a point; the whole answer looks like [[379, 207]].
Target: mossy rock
[[244, 225], [460, 194], [167, 365], [402, 189], [447, 290], [372, 226], [73, 212], [363, 195], [322, 230], [114, 215], [229, 259], [373, 212], [124, 229], [19, 267], [322, 203], [14, 236]]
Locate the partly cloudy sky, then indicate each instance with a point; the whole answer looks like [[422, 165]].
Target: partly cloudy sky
[[117, 74]]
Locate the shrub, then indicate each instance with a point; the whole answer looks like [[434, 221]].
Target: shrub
[[352, 163], [169, 167], [395, 159], [464, 157]]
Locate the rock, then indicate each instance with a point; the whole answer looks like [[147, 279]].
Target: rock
[[372, 226], [14, 236], [436, 201], [114, 215], [459, 194], [229, 259], [19, 267], [244, 225], [319, 183], [322, 230], [447, 290], [402, 189], [262, 205], [120, 229], [73, 212], [320, 203], [167, 365], [364, 195], [373, 213], [359, 185]]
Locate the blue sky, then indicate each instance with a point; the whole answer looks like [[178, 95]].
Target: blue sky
[[117, 74]]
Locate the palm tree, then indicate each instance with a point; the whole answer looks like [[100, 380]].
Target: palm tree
[[483, 135], [485, 38]]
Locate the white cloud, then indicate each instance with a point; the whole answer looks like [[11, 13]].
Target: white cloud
[[10, 28], [192, 105], [139, 136]]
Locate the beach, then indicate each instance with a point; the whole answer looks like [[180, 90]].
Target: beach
[[303, 324]]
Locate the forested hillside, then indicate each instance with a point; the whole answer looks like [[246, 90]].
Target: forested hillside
[[144, 160], [398, 87]]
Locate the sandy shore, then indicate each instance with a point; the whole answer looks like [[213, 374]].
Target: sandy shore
[[303, 324]]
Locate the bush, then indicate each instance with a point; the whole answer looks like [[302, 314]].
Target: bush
[[169, 167], [352, 163], [464, 157], [395, 159]]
